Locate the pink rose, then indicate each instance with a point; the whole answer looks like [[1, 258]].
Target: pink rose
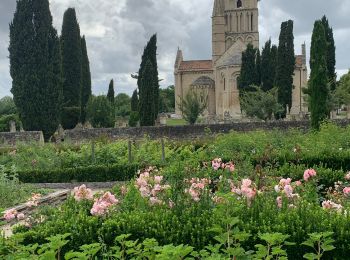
[[246, 183], [20, 216], [347, 176], [279, 202], [347, 191], [10, 214]]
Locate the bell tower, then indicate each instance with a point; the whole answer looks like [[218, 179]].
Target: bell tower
[[241, 18], [218, 30]]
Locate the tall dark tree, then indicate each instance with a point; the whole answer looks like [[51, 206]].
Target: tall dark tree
[[111, 93], [268, 66], [318, 90], [331, 61], [35, 66], [150, 54], [258, 68], [71, 69], [134, 101], [85, 80], [285, 66], [248, 76], [147, 95]]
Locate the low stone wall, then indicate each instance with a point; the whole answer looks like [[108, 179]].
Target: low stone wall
[[185, 132], [11, 139]]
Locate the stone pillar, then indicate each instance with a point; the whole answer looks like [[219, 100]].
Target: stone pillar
[[348, 112], [13, 127]]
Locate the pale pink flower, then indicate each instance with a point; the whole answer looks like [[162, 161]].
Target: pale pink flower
[[347, 176], [309, 173], [331, 205], [288, 189], [284, 182], [298, 183], [230, 166], [246, 183], [216, 163], [347, 191], [155, 201], [82, 193], [102, 204], [277, 188], [123, 190], [20, 216], [171, 204], [109, 198], [10, 214], [158, 179], [145, 191]]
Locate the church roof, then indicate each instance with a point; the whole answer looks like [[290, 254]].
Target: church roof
[[233, 60], [203, 81], [196, 65]]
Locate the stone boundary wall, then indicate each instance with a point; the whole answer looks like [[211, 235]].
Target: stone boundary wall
[[185, 132], [12, 139]]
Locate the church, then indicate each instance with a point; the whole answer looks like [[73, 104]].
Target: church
[[235, 24]]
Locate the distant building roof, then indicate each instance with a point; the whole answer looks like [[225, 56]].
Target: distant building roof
[[203, 81], [196, 65]]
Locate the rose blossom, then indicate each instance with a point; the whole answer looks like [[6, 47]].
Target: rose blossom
[[347, 176], [10, 214], [279, 202], [347, 191], [82, 193], [309, 173]]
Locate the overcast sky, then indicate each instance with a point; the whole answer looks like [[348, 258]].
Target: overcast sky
[[117, 30]]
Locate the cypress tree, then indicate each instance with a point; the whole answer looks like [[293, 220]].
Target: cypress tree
[[35, 66], [258, 68], [248, 76], [147, 94], [134, 101], [331, 61], [285, 67], [150, 54], [318, 89], [71, 69], [110, 93], [86, 91], [268, 66]]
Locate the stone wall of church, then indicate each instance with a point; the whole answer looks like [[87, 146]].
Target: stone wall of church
[[12, 139], [183, 81]]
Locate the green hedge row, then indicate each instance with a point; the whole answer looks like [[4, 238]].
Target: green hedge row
[[100, 173]]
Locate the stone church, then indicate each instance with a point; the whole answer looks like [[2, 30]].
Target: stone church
[[235, 23]]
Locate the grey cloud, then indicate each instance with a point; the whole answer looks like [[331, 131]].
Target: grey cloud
[[117, 31]]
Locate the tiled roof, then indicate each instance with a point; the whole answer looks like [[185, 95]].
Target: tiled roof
[[196, 65]]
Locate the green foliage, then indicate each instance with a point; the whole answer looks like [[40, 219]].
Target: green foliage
[[318, 89], [321, 243], [273, 248], [100, 112], [331, 59], [268, 66], [285, 66], [5, 122], [342, 92], [146, 90], [72, 62], [134, 118], [7, 106], [249, 73], [35, 66], [193, 105], [96, 173], [110, 94], [122, 105], [148, 84], [167, 100], [135, 101], [260, 104], [85, 80]]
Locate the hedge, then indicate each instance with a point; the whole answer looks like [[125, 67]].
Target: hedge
[[100, 173]]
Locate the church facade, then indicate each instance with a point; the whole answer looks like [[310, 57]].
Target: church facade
[[235, 24]]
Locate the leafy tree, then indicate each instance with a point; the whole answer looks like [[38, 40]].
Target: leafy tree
[[261, 104], [133, 119], [285, 66], [135, 101], [167, 100], [35, 66], [331, 61], [111, 93], [7, 106], [146, 95], [100, 112], [122, 105], [268, 66], [192, 106], [71, 69], [5, 122], [152, 96], [85, 80], [342, 92], [318, 90], [249, 75]]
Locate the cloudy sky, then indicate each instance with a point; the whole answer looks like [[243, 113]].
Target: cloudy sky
[[117, 30]]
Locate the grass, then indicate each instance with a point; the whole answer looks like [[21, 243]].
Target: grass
[[175, 122]]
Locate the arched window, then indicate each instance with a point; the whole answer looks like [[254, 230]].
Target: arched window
[[239, 3]]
